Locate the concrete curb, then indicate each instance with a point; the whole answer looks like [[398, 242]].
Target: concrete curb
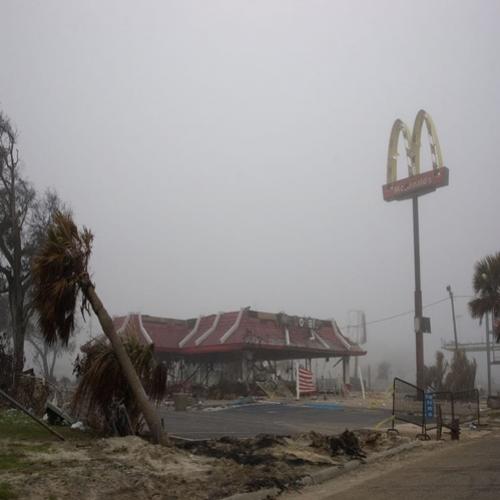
[[393, 451], [255, 495], [327, 474], [333, 472]]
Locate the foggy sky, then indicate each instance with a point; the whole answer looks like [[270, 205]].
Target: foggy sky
[[232, 153]]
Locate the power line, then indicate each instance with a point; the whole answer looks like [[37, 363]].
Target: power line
[[406, 313]]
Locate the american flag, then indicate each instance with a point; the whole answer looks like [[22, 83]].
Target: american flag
[[305, 382]]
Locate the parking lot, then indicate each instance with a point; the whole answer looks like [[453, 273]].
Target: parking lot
[[284, 419]]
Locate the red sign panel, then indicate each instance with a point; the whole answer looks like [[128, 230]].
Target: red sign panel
[[416, 185]]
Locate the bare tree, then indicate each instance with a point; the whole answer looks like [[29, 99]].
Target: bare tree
[[23, 220], [16, 197], [4, 314], [46, 355]]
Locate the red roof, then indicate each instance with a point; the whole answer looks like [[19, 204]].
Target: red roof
[[241, 330]]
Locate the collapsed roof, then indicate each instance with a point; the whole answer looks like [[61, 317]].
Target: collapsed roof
[[227, 335]]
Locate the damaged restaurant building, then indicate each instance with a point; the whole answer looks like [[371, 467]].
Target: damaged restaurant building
[[246, 345]]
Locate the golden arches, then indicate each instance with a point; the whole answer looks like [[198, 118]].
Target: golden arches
[[413, 142], [398, 128]]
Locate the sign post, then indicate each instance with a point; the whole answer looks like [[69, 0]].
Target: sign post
[[411, 187], [429, 405]]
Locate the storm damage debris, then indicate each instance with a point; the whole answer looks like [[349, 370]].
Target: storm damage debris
[[251, 451], [199, 470], [56, 416], [103, 397], [347, 443], [310, 448], [20, 407]]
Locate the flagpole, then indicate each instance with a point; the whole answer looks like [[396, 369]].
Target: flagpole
[[297, 390]]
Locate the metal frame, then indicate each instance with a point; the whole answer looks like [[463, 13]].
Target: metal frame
[[449, 396], [419, 397]]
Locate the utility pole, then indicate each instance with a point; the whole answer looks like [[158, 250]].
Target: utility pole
[[488, 352], [448, 288]]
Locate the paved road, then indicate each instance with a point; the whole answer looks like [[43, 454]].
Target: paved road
[[248, 421], [467, 471]]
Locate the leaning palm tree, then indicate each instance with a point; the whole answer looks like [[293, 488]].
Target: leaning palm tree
[[486, 284], [60, 275]]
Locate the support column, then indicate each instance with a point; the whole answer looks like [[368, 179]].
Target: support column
[[244, 367], [346, 373]]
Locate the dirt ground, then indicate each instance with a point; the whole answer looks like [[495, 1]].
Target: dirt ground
[[33, 465], [82, 467]]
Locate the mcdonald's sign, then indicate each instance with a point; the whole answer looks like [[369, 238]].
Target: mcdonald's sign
[[417, 183]]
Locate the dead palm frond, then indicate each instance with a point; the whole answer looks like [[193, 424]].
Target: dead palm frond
[[101, 380], [57, 272]]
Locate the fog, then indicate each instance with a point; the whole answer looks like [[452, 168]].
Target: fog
[[232, 153]]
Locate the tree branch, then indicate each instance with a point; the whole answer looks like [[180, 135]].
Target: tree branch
[[35, 345], [6, 271], [51, 371], [6, 253]]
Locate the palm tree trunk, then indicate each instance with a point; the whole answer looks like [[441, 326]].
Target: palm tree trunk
[[143, 402]]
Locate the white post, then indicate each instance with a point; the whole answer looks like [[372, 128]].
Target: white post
[[360, 375], [346, 374]]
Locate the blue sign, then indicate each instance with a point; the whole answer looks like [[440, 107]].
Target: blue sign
[[429, 405]]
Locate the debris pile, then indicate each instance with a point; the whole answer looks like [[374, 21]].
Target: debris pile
[[308, 449], [347, 443]]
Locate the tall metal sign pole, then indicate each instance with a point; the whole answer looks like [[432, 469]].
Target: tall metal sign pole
[[419, 334], [416, 184]]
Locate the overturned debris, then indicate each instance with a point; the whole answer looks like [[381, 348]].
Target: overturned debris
[[17, 405], [56, 416]]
